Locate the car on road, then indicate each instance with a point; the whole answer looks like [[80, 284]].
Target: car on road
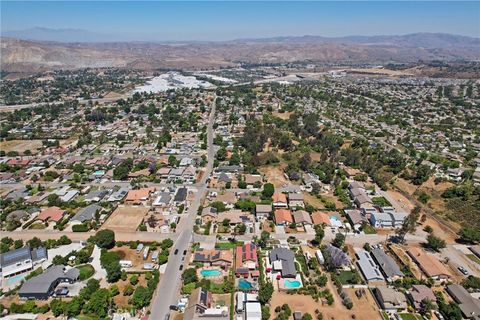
[[184, 252], [176, 251], [463, 270], [181, 268]]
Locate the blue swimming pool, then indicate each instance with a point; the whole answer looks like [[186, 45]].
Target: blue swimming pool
[[292, 284], [244, 284], [15, 279], [210, 273]]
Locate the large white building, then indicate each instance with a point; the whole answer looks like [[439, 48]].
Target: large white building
[[20, 260]]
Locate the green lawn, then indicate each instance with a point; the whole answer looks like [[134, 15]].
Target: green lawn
[[86, 271], [228, 245], [369, 229], [381, 201], [347, 277], [474, 258], [409, 316]]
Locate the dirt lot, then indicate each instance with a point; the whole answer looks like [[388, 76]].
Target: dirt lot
[[274, 175], [21, 145], [131, 254], [120, 299], [125, 218], [282, 115], [363, 309]]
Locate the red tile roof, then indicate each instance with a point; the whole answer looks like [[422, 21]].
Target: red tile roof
[[52, 213]]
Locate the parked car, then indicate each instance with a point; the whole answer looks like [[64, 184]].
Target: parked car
[[62, 291], [181, 268], [184, 252], [176, 251], [173, 307], [463, 270]]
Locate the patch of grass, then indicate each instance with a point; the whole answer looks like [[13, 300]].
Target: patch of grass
[[381, 201], [347, 277], [408, 316], [86, 271], [474, 258], [368, 229], [37, 226], [228, 245]]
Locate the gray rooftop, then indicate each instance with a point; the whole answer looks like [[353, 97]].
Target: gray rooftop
[[369, 269], [43, 282], [22, 254], [87, 213], [388, 266], [288, 260]]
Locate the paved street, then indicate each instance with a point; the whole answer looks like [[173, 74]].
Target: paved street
[[170, 281]]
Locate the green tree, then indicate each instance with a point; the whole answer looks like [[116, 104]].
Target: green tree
[[265, 293], [339, 240], [74, 307], [470, 235], [98, 303], [141, 297], [189, 276], [435, 243], [105, 239], [409, 224], [268, 190]]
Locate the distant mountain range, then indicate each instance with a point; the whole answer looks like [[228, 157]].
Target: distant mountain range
[[49, 49]]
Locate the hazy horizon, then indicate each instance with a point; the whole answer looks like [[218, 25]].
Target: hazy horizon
[[224, 21]]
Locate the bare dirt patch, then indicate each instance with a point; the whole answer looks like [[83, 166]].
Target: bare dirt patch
[[21, 145], [131, 254], [366, 310], [282, 115], [125, 218], [275, 175]]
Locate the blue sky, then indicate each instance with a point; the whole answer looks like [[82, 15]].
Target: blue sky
[[198, 20]]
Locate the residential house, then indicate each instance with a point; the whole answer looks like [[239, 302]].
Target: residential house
[[263, 211], [321, 218], [209, 214], [181, 195], [370, 270], [283, 217], [283, 260], [419, 294], [295, 200], [214, 257], [87, 213], [51, 214], [246, 260], [279, 200], [202, 306], [356, 218], [162, 200], [302, 217], [430, 265], [118, 195], [390, 299], [96, 196], [41, 287], [469, 305], [381, 220], [388, 266], [20, 260], [140, 196]]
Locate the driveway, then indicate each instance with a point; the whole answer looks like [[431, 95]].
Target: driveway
[[100, 273]]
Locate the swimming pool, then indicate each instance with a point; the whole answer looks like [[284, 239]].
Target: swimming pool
[[292, 284], [244, 284], [210, 273], [15, 279]]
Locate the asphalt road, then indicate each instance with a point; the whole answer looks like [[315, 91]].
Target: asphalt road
[[170, 281]]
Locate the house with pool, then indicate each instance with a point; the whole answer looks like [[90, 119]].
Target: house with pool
[[281, 267], [246, 267]]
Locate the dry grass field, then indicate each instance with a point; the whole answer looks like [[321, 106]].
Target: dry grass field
[[21, 146], [125, 218]]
